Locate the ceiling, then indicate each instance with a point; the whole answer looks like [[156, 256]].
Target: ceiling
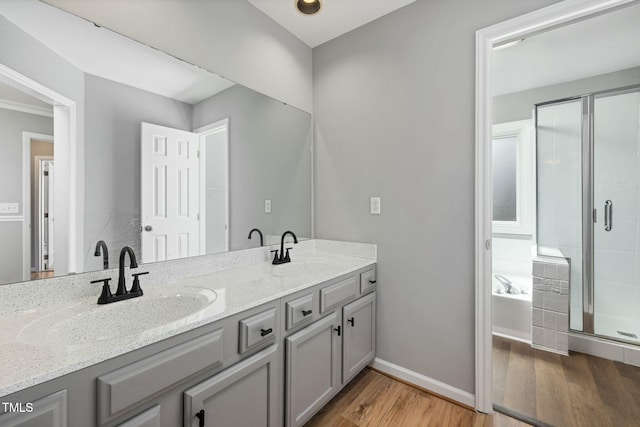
[[604, 44], [118, 58], [334, 19]]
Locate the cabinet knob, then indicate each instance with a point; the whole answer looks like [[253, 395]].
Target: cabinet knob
[[306, 312], [264, 332], [200, 416]]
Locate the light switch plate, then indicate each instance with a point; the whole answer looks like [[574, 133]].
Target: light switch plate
[[9, 208], [375, 206], [267, 206]]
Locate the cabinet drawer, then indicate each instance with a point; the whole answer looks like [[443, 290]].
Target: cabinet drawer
[[299, 311], [331, 296], [149, 418], [257, 329], [367, 281], [50, 411], [125, 387]]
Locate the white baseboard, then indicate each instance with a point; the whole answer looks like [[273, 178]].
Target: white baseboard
[[425, 382], [512, 335]]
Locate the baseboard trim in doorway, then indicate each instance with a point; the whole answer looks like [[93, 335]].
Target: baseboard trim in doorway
[[520, 417], [422, 381]]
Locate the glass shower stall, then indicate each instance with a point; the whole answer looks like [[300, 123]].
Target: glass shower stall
[[588, 205]]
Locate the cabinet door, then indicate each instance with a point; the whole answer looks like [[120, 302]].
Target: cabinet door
[[50, 411], [312, 369], [149, 418], [244, 395], [359, 345]]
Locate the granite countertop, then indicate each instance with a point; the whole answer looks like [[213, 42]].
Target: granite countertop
[[32, 350]]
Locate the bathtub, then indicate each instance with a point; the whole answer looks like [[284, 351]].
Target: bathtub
[[512, 313]]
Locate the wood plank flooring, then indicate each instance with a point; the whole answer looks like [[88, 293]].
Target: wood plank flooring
[[579, 390], [373, 399]]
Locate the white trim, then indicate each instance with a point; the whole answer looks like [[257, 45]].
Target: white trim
[[6, 104], [512, 334], [519, 27], [11, 218], [424, 382], [204, 131]]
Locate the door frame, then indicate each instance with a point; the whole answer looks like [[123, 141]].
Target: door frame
[[69, 221], [27, 174], [561, 13], [204, 131]]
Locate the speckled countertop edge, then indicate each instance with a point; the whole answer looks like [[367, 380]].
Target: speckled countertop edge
[[252, 284]]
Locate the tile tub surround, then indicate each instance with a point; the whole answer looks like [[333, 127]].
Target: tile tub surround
[[242, 280], [550, 312]]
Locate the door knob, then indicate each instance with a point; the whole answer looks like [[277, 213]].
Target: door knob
[[148, 228]]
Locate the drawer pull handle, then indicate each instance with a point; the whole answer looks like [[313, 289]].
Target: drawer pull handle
[[306, 312], [264, 332], [200, 416], [338, 329], [373, 282], [352, 321]]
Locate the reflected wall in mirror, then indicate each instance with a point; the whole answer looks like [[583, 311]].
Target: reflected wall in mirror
[[513, 186], [247, 150]]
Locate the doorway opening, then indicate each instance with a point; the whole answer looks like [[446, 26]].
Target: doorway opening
[[522, 29]]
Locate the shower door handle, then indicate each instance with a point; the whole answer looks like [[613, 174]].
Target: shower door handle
[[608, 215]]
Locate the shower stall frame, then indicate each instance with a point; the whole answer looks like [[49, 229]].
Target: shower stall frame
[[589, 212]]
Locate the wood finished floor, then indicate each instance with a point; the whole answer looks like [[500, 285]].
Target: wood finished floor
[[373, 399], [579, 390]]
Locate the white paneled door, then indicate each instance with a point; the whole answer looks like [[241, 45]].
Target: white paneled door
[[170, 190]]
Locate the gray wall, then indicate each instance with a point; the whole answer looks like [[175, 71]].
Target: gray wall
[[518, 106], [394, 115], [266, 138], [229, 37], [112, 136], [47, 68], [12, 124]]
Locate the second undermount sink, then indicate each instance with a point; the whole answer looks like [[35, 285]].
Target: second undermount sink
[[82, 324]]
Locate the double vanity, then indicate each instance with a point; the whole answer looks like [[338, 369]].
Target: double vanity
[[241, 343]]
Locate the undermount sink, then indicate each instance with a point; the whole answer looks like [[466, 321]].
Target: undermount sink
[[81, 324]]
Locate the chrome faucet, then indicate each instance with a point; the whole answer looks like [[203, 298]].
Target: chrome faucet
[[283, 258], [105, 254], [260, 233]]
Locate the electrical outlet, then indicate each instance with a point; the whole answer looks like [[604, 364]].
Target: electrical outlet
[[267, 206], [375, 206], [9, 208]]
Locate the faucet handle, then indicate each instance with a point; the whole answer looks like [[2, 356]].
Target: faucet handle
[[135, 287], [106, 295], [275, 257], [286, 255]]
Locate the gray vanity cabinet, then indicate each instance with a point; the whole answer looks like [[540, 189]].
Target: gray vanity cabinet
[[50, 411], [313, 369], [149, 418], [246, 394], [359, 340]]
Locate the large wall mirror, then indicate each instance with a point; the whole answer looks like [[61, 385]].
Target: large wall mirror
[[103, 138]]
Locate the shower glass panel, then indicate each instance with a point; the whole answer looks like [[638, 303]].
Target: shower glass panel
[[616, 198], [559, 190]]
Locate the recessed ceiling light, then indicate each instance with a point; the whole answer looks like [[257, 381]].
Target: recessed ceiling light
[[308, 7], [508, 44]]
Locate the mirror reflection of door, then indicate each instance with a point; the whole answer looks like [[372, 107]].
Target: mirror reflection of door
[[184, 191], [42, 261]]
